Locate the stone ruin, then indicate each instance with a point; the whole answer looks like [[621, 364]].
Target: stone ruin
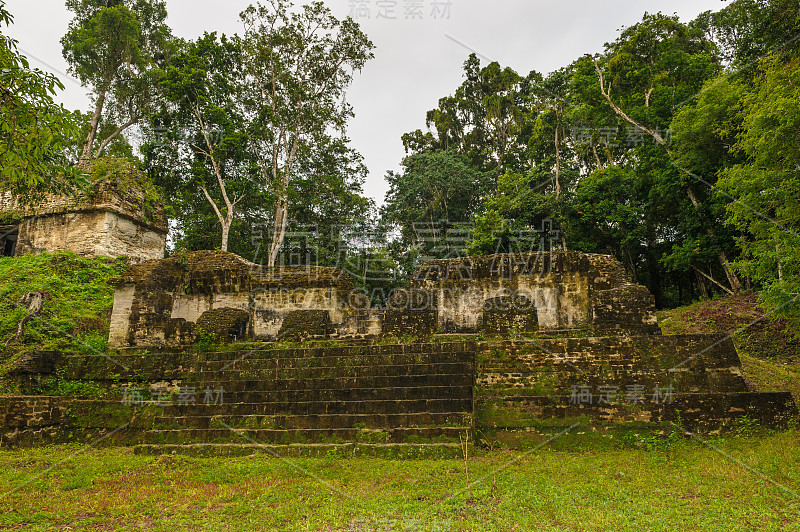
[[519, 351], [163, 303], [112, 218]]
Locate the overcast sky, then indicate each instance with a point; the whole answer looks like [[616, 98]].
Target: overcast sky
[[418, 57]]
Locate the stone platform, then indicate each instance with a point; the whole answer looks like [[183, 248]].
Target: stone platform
[[417, 400], [369, 400], [610, 388]]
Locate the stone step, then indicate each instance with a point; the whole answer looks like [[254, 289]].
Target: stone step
[[321, 450], [391, 381], [704, 412], [331, 372], [248, 391], [561, 382], [322, 421], [618, 361], [85, 370], [256, 406], [321, 435], [371, 414], [130, 365], [650, 352]]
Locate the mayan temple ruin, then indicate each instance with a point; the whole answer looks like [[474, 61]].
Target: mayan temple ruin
[[504, 350], [114, 217]]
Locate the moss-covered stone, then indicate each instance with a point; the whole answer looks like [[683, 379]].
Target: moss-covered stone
[[305, 324], [417, 323], [226, 324]]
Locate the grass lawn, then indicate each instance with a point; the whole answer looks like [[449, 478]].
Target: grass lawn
[[749, 483]]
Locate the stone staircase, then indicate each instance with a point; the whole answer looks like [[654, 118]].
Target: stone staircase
[[615, 387], [398, 401], [370, 400]]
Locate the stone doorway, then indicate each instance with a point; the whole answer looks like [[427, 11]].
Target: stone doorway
[[9, 234]]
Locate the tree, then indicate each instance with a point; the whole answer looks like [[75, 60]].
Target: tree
[[748, 30], [298, 66], [652, 68], [437, 186], [201, 128], [481, 120], [703, 133], [767, 184], [35, 132], [111, 46]]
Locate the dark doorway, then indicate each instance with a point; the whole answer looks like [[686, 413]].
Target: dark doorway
[[8, 240]]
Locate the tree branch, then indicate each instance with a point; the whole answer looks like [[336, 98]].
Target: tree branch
[[606, 92]]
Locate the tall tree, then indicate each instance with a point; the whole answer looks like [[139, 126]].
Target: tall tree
[[35, 132], [298, 66], [748, 30], [767, 183], [437, 186], [481, 120], [201, 130], [111, 46], [652, 68]]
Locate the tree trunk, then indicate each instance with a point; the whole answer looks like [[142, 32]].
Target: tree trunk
[[33, 302], [279, 233], [711, 278], [558, 188], [115, 134], [226, 229], [655, 274], [227, 220], [88, 144], [596, 156], [733, 279], [701, 283], [558, 165]]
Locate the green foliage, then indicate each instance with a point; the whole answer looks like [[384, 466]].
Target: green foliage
[[559, 152], [748, 30], [34, 130], [437, 190], [76, 317], [59, 386], [767, 185], [127, 178], [299, 63], [112, 47], [229, 145]]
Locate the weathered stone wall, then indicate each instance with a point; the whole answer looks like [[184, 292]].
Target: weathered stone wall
[[568, 290], [158, 303], [111, 218], [90, 233], [612, 386], [373, 393]]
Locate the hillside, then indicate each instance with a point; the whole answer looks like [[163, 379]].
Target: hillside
[[75, 316], [769, 348]]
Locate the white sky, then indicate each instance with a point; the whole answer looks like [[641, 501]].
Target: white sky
[[416, 61]]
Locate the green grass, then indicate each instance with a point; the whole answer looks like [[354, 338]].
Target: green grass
[[692, 487], [769, 376], [76, 317], [80, 299], [755, 330]]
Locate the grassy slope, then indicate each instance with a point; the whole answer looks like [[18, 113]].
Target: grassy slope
[[769, 348], [75, 319]]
